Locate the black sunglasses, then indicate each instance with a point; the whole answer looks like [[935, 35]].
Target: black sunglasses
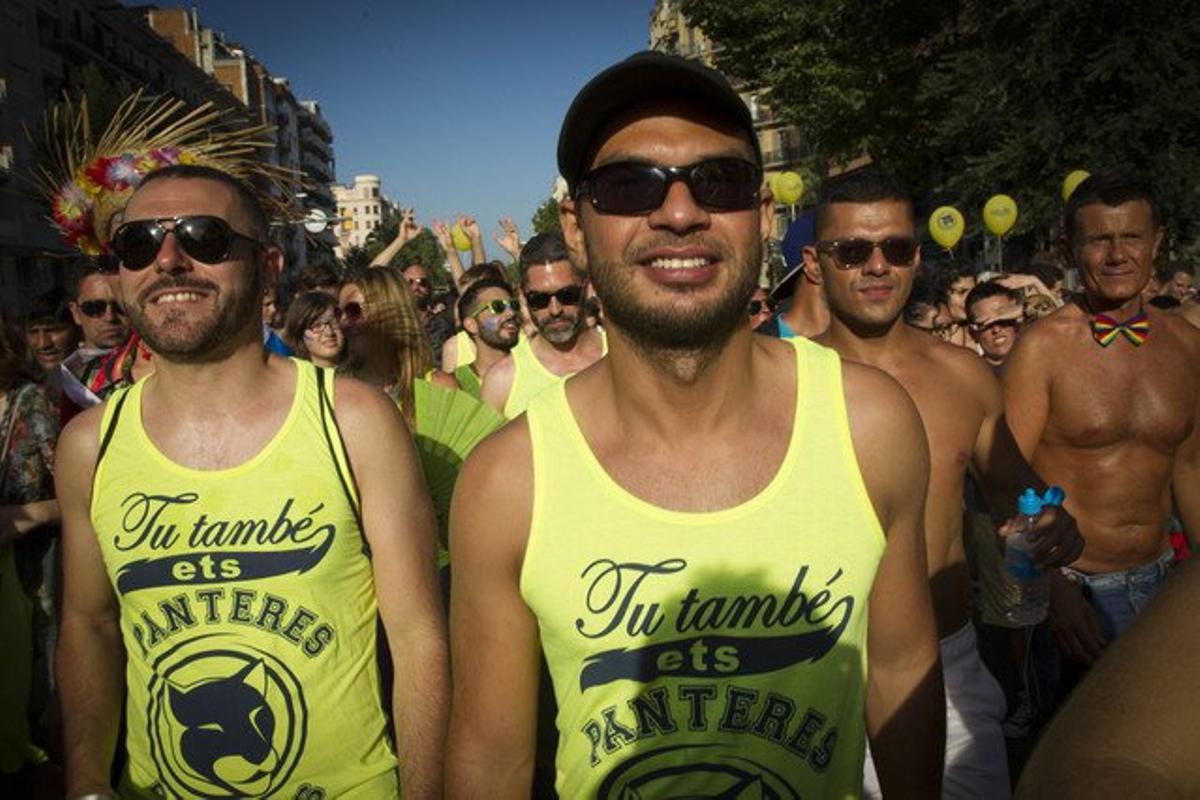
[[635, 187], [567, 296], [756, 306], [350, 314], [96, 308], [499, 306], [899, 251], [206, 239]]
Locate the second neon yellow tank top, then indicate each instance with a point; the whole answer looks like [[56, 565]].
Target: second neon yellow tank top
[[530, 378], [247, 611], [706, 654]]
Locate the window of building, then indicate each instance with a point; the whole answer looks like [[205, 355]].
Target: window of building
[[374, 191]]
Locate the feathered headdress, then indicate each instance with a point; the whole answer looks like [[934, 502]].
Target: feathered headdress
[[88, 180]]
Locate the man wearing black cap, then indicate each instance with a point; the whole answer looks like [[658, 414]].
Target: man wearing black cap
[[702, 565], [807, 311]]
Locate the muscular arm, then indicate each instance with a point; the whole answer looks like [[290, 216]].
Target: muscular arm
[[90, 659], [494, 635], [497, 383], [1128, 731], [1026, 390], [399, 523], [1185, 483], [997, 460], [905, 711]]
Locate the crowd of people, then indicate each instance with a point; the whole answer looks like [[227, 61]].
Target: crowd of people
[[614, 517]]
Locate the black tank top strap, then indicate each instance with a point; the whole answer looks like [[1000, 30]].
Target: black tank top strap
[[329, 425]]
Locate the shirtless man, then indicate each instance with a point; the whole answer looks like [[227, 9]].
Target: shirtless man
[[553, 290], [1111, 421], [214, 548], [698, 469], [807, 313], [865, 256]]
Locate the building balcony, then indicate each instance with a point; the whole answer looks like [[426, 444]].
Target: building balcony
[[317, 170], [782, 158]]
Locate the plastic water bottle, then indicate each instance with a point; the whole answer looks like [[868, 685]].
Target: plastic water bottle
[[1031, 596]]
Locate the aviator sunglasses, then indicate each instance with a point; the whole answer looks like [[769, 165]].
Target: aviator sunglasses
[[499, 306], [204, 238], [95, 309], [567, 296], [899, 251], [635, 187]]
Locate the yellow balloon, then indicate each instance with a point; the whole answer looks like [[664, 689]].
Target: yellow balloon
[[460, 238], [946, 226], [1000, 214], [787, 187], [1072, 181]]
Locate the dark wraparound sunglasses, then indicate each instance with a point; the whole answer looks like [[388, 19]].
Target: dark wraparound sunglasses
[[756, 306], [567, 296], [204, 238], [899, 251], [635, 187], [96, 308], [350, 314]]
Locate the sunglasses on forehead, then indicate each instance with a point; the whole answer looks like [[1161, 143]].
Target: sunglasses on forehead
[[566, 296], [635, 187], [899, 251], [204, 238], [96, 309]]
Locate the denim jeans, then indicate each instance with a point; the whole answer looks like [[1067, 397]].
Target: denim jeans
[[1118, 597]]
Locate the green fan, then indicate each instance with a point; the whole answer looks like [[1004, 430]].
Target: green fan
[[449, 424]]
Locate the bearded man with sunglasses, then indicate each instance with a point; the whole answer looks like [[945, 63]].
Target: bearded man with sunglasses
[[553, 289], [865, 257], [694, 556], [233, 527]]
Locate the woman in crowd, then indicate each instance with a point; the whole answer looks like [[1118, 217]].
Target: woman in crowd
[[28, 430], [386, 343], [313, 328]]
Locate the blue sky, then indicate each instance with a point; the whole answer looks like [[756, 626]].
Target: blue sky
[[454, 104]]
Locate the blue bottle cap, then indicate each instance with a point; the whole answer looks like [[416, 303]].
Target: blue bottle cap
[[1030, 504], [1054, 496]]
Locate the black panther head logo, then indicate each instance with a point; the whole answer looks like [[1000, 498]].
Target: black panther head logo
[[225, 722]]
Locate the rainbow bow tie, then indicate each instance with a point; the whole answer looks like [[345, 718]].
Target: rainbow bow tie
[[1136, 329]]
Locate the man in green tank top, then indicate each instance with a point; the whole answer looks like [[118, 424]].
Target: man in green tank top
[[553, 289], [705, 605], [492, 318], [216, 538]]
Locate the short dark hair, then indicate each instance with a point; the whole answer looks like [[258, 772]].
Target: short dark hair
[[313, 276], [922, 295], [945, 278], [472, 292], [871, 184], [301, 315], [260, 226], [51, 306], [488, 270], [990, 289], [545, 248], [1111, 189]]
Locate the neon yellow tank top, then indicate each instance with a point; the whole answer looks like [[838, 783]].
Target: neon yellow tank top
[[530, 378], [247, 611], [706, 654]]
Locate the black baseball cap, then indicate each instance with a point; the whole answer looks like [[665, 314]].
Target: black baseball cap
[[643, 76]]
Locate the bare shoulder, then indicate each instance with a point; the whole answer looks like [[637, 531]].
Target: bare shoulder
[[363, 412], [963, 370], [492, 507], [501, 371], [80, 438], [1181, 329], [1190, 311], [878, 407]]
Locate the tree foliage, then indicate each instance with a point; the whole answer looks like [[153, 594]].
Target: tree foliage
[[545, 219], [966, 99]]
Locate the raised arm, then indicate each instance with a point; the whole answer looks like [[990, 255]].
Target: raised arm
[[494, 635], [405, 233], [441, 232], [906, 713], [475, 234], [509, 238], [90, 660], [399, 525]]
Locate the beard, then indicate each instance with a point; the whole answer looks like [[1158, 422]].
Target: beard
[[496, 337], [179, 339], [664, 327], [561, 334]]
